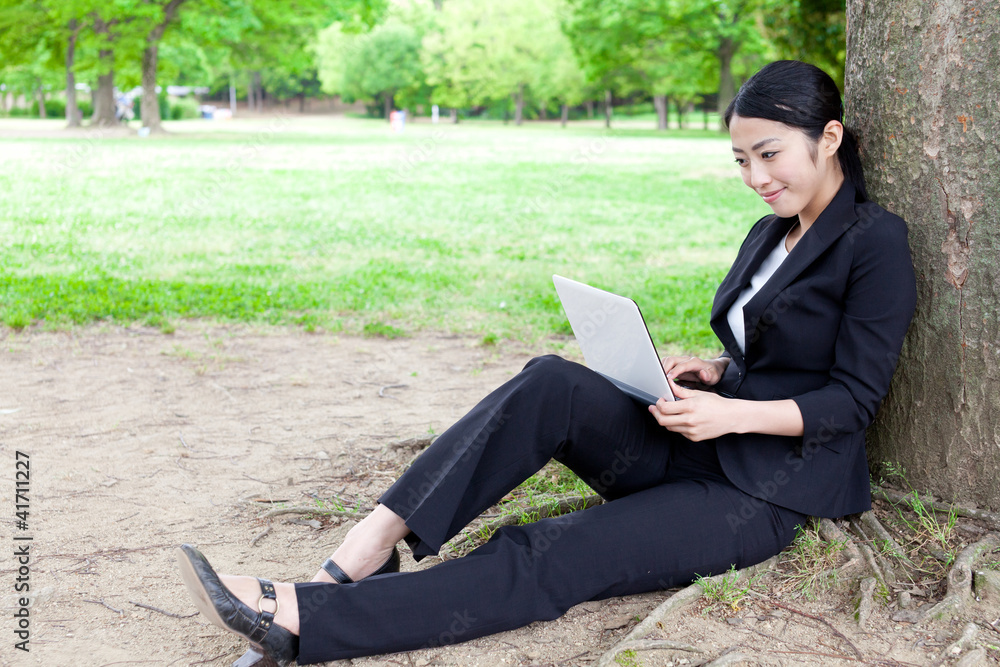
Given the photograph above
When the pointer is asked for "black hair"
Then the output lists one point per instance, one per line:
(802, 96)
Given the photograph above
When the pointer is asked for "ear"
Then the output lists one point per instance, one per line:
(833, 135)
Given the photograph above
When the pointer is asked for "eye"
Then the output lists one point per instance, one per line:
(741, 161)
(768, 154)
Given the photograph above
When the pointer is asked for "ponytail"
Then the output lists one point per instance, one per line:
(850, 164)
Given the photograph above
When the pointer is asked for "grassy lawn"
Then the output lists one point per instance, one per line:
(338, 224)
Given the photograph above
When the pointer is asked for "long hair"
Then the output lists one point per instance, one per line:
(802, 96)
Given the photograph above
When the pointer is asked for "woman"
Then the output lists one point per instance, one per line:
(811, 315)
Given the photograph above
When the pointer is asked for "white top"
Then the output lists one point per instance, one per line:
(764, 273)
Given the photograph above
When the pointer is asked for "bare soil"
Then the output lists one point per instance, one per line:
(139, 441)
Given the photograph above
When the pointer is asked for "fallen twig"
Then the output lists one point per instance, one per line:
(105, 604)
(166, 613)
(259, 536)
(381, 391)
(825, 622)
(361, 513)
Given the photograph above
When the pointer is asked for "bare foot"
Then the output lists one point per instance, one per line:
(368, 545)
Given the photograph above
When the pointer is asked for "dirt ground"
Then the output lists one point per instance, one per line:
(139, 441)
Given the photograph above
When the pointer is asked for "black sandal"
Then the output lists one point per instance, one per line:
(390, 565)
(254, 658)
(273, 645)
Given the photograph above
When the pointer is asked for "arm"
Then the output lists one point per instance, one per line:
(702, 415)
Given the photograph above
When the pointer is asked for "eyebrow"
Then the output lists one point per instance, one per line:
(756, 145)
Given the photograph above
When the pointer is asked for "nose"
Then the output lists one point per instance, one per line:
(759, 176)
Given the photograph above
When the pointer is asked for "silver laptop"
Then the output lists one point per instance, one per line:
(614, 339)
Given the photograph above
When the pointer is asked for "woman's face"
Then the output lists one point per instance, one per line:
(793, 174)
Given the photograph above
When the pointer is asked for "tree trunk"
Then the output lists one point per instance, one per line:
(564, 115)
(543, 113)
(72, 109)
(921, 91)
(704, 111)
(104, 96)
(660, 103)
(258, 90)
(519, 105)
(149, 106)
(251, 96)
(387, 106)
(607, 108)
(453, 112)
(40, 94)
(727, 86)
(589, 105)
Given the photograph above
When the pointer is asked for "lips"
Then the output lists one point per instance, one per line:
(771, 197)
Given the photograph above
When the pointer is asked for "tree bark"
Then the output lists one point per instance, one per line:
(258, 91)
(660, 103)
(149, 105)
(519, 105)
(564, 115)
(589, 105)
(40, 94)
(387, 106)
(921, 91)
(454, 115)
(727, 86)
(72, 109)
(104, 96)
(607, 108)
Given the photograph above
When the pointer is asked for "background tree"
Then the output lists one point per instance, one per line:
(922, 90)
(372, 67)
(809, 30)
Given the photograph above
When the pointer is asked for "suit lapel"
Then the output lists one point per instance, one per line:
(739, 275)
(836, 219)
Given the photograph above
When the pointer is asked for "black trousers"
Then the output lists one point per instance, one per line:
(669, 518)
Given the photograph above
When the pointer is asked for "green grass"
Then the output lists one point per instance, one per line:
(338, 224)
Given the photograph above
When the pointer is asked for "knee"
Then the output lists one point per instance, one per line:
(553, 375)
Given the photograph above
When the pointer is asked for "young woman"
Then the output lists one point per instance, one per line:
(811, 315)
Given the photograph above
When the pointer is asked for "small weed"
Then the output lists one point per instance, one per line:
(728, 591)
(16, 319)
(383, 330)
(628, 658)
(490, 339)
(928, 528)
(811, 562)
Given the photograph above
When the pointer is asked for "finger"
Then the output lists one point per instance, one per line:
(692, 365)
(681, 392)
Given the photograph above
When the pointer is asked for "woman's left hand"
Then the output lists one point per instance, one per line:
(701, 415)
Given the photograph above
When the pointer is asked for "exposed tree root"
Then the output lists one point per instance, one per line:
(672, 604)
(895, 497)
(959, 593)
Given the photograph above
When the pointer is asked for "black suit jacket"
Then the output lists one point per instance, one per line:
(825, 331)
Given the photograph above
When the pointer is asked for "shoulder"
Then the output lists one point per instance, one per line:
(878, 244)
(876, 228)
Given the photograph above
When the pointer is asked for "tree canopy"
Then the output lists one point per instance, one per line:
(528, 56)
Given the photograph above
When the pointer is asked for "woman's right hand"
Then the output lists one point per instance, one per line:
(693, 369)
